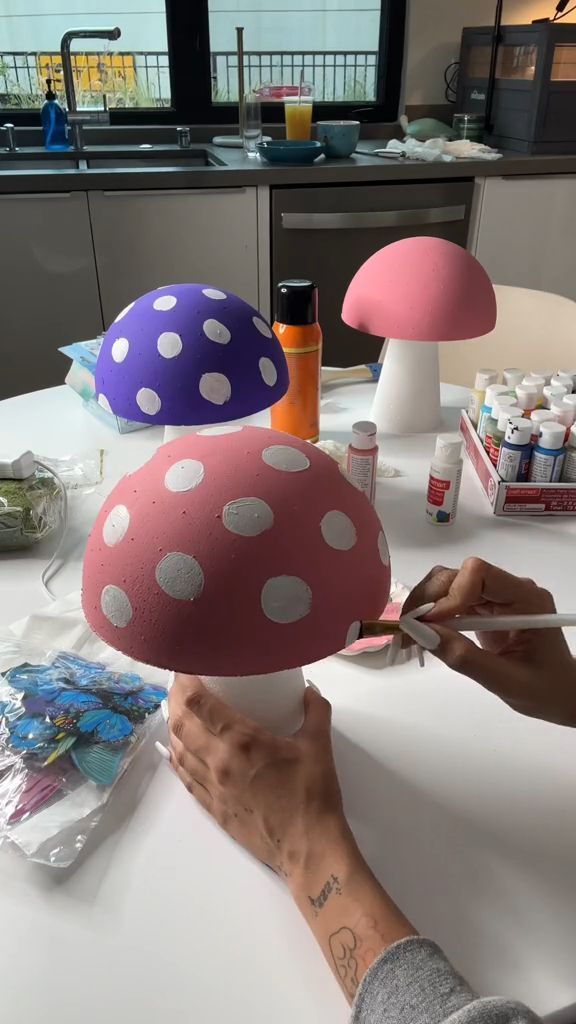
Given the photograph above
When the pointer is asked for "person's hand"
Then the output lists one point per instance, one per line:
(279, 797)
(531, 670)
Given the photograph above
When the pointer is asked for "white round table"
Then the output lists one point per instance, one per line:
(464, 809)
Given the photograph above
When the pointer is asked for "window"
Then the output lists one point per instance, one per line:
(178, 58)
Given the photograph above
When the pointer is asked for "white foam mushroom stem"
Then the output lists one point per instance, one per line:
(407, 399)
(274, 700)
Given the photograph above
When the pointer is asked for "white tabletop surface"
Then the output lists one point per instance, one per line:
(464, 810)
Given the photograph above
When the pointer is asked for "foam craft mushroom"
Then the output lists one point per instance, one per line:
(417, 292)
(236, 552)
(189, 354)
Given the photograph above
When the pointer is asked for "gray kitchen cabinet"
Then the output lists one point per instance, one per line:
(48, 286)
(147, 238)
(524, 231)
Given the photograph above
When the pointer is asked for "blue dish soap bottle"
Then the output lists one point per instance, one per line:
(54, 121)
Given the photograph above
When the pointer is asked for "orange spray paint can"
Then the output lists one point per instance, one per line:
(298, 331)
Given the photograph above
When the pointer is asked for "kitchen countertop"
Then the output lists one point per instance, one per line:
(240, 171)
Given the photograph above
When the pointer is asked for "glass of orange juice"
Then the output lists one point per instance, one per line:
(298, 113)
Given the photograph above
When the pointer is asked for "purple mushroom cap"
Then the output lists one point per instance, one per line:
(189, 354)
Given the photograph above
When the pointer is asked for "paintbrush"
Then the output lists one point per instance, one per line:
(370, 371)
(471, 624)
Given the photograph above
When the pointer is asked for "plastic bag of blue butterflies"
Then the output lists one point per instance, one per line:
(69, 728)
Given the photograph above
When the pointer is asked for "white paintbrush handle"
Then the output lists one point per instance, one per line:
(505, 623)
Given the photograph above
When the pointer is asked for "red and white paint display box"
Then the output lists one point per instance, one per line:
(514, 499)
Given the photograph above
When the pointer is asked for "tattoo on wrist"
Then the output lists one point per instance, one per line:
(342, 949)
(331, 886)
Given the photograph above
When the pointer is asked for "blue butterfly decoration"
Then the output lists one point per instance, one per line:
(78, 708)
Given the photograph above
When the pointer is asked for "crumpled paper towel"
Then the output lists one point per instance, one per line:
(440, 149)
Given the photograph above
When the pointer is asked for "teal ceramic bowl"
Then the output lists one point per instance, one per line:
(290, 151)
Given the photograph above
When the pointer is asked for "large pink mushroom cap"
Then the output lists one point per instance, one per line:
(234, 551)
(421, 289)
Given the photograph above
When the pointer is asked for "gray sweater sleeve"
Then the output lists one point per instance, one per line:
(412, 982)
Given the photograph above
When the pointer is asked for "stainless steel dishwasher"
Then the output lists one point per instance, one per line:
(326, 233)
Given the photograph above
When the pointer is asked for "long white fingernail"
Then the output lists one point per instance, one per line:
(420, 633)
(418, 613)
(421, 659)
(162, 750)
(164, 710)
(394, 650)
(313, 686)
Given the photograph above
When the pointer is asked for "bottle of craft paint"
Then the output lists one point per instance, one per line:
(548, 455)
(547, 374)
(501, 404)
(515, 451)
(445, 479)
(553, 392)
(563, 380)
(299, 333)
(527, 398)
(563, 412)
(484, 378)
(570, 373)
(538, 417)
(512, 376)
(536, 382)
(499, 432)
(569, 468)
(486, 411)
(362, 458)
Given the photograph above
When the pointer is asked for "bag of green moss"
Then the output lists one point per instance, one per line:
(29, 510)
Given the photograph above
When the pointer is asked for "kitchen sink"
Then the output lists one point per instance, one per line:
(164, 158)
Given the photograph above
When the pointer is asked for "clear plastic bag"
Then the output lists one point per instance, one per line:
(29, 510)
(69, 729)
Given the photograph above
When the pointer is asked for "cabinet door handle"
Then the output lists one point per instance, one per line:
(171, 191)
(372, 219)
(37, 195)
(536, 177)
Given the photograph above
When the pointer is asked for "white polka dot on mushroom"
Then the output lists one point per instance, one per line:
(115, 525)
(124, 311)
(213, 293)
(180, 576)
(383, 549)
(104, 403)
(247, 517)
(352, 634)
(286, 599)
(268, 371)
(215, 388)
(215, 331)
(220, 429)
(119, 350)
(285, 458)
(165, 302)
(262, 326)
(338, 530)
(148, 401)
(184, 476)
(115, 605)
(169, 344)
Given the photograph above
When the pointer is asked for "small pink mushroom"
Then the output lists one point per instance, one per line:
(417, 292)
(234, 551)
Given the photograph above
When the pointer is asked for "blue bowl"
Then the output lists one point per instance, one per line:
(290, 151)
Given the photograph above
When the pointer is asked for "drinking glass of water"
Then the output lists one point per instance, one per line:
(252, 129)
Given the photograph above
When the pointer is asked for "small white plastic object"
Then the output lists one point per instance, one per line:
(538, 417)
(553, 392)
(527, 397)
(515, 452)
(512, 376)
(484, 378)
(570, 373)
(569, 468)
(563, 412)
(548, 456)
(362, 458)
(17, 467)
(485, 413)
(571, 401)
(532, 380)
(546, 374)
(564, 379)
(444, 481)
(274, 700)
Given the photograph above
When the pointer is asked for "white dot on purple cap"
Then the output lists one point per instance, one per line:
(215, 331)
(104, 403)
(213, 293)
(169, 344)
(262, 326)
(268, 371)
(124, 311)
(165, 302)
(215, 388)
(119, 349)
(148, 401)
